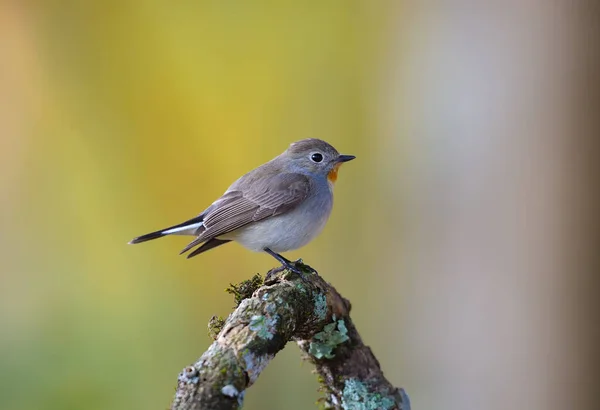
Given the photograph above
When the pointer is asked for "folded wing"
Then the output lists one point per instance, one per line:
(265, 198)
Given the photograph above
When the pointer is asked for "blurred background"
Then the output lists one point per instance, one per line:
(462, 234)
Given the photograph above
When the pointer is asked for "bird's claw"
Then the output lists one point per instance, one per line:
(292, 267)
(307, 267)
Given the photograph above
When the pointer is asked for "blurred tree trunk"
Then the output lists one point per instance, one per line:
(501, 112)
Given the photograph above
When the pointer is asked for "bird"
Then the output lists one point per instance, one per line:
(279, 206)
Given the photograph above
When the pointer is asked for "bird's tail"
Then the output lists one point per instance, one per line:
(189, 227)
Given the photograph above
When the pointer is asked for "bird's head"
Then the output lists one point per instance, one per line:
(316, 157)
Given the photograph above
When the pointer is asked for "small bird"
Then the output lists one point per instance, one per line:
(280, 206)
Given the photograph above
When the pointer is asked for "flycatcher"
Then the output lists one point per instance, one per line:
(280, 206)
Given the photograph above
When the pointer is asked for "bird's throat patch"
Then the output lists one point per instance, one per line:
(333, 174)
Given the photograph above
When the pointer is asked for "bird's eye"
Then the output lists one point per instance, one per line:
(316, 157)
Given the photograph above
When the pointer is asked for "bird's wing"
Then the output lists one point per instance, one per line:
(264, 198)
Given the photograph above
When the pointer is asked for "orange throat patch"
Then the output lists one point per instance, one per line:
(333, 174)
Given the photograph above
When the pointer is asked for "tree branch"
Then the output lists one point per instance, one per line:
(285, 308)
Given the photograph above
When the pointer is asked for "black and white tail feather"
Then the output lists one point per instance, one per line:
(193, 226)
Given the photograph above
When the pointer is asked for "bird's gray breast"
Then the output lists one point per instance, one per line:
(290, 230)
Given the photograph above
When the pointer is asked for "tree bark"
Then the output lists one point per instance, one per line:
(284, 308)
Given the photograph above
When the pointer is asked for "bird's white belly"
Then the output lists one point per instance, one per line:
(283, 232)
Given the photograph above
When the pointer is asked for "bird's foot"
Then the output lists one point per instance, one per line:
(307, 267)
(295, 267)
(291, 266)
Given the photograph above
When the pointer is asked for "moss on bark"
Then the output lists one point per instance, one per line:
(270, 314)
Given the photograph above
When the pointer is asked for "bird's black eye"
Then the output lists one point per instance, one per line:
(316, 157)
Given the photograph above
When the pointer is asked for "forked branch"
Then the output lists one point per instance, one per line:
(284, 308)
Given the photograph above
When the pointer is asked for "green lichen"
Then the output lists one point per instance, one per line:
(326, 341)
(320, 306)
(300, 287)
(215, 325)
(356, 396)
(245, 289)
(270, 308)
(264, 326)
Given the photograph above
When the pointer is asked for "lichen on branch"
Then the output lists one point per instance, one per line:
(268, 315)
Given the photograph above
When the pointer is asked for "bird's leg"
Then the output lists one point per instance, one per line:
(286, 263)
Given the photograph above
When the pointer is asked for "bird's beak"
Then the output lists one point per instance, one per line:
(344, 158)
